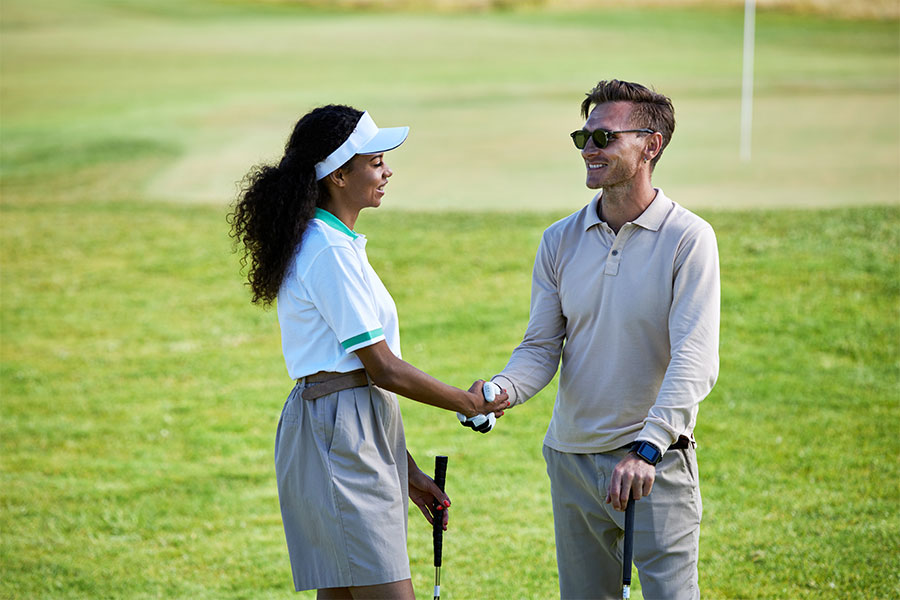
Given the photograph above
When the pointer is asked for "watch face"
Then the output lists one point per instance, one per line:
(648, 452)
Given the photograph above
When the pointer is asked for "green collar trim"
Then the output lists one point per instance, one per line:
(333, 222)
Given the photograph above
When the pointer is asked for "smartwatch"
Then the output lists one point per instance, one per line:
(647, 452)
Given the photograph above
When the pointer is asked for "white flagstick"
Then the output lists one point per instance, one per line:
(747, 86)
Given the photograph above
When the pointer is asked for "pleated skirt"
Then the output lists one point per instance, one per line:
(341, 466)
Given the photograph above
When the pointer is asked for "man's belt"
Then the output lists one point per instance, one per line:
(682, 443)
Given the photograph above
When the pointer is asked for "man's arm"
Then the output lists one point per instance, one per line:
(535, 361)
(694, 341)
(693, 366)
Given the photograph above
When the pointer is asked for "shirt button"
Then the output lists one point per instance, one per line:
(615, 252)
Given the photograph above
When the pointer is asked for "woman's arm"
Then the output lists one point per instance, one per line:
(398, 376)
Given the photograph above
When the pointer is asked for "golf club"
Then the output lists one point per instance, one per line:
(440, 477)
(629, 547)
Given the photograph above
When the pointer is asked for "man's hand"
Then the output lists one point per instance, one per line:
(479, 423)
(632, 474)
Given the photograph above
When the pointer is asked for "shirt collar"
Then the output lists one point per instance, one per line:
(592, 217)
(652, 217)
(333, 222)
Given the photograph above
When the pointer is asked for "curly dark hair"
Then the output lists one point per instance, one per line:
(650, 109)
(276, 202)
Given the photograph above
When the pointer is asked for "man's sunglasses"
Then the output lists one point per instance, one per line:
(601, 137)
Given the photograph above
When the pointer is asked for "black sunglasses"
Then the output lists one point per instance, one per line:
(601, 137)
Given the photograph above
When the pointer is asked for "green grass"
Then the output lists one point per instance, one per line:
(139, 390)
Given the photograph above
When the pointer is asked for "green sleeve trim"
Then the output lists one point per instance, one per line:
(363, 337)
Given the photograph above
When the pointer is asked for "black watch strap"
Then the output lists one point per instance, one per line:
(647, 452)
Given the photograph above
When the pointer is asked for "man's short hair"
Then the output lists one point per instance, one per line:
(649, 109)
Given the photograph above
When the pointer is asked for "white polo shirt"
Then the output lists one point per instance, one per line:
(332, 303)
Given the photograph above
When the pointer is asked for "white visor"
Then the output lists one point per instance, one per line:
(365, 139)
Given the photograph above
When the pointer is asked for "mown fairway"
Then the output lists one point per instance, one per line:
(139, 390)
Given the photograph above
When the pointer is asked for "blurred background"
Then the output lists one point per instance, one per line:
(490, 90)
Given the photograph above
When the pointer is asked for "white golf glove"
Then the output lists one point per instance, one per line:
(482, 423)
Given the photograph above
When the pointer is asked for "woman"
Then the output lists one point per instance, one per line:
(340, 453)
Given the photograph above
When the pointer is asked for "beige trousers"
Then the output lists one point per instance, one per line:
(590, 534)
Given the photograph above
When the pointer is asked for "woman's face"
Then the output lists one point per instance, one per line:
(366, 178)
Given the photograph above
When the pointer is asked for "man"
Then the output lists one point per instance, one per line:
(626, 292)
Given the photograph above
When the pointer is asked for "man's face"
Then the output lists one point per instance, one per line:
(620, 161)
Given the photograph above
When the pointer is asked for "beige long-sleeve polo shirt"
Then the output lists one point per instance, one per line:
(635, 319)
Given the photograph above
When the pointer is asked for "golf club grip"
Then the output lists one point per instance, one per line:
(440, 478)
(629, 542)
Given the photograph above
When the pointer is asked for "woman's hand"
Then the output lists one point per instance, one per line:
(389, 372)
(423, 491)
(477, 405)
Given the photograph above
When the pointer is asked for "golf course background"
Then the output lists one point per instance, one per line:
(139, 389)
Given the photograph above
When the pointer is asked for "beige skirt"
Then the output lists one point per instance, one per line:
(343, 488)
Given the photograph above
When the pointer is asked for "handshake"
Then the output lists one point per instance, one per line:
(482, 423)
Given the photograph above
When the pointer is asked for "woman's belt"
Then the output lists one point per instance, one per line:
(326, 382)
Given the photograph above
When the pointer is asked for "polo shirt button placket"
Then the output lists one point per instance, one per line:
(612, 262)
